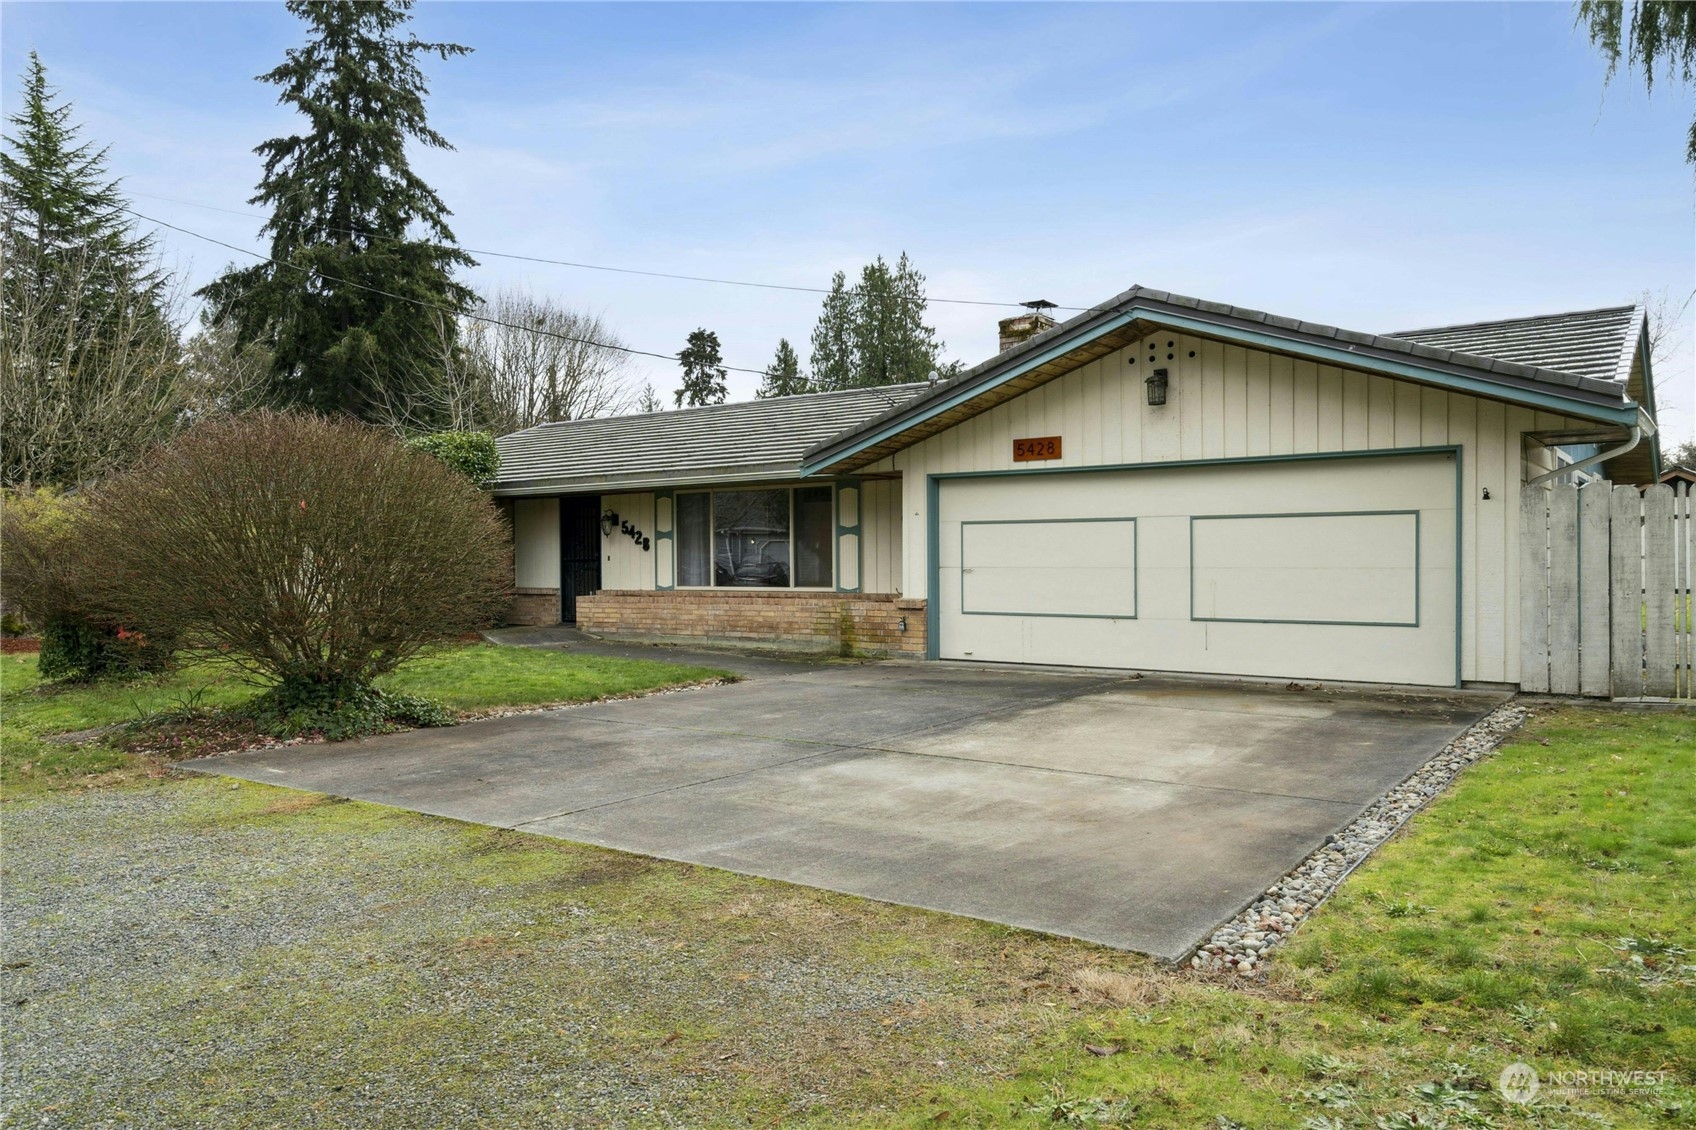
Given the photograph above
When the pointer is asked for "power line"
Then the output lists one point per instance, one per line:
(602, 267)
(428, 305)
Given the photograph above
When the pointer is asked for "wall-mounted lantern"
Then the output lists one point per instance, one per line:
(609, 522)
(1156, 388)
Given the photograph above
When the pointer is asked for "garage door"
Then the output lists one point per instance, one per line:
(1326, 569)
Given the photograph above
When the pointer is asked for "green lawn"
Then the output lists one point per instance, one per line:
(472, 678)
(1539, 912)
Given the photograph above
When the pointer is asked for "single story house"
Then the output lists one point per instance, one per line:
(1160, 483)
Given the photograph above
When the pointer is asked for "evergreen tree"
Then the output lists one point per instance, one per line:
(350, 219)
(703, 371)
(783, 376)
(833, 346)
(90, 354)
(649, 401)
(63, 218)
(875, 333)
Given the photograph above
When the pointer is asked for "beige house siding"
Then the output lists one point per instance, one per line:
(535, 543)
(624, 563)
(1227, 402)
(880, 525)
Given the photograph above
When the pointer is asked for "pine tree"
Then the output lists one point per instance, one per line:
(875, 333)
(703, 371)
(347, 211)
(783, 376)
(833, 346)
(649, 400)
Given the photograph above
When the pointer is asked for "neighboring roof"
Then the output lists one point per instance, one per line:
(1586, 343)
(1678, 474)
(1129, 316)
(751, 439)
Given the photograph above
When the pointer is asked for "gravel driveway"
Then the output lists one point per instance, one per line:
(200, 953)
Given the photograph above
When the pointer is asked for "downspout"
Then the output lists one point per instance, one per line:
(1591, 461)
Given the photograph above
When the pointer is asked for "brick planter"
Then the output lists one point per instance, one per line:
(867, 623)
(531, 607)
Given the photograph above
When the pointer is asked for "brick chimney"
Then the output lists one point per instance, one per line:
(1022, 327)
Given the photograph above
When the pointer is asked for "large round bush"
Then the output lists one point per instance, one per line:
(315, 554)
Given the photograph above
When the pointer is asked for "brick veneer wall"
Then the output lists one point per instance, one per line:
(814, 621)
(534, 606)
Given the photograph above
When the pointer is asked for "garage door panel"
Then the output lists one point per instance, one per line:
(1307, 568)
(1329, 569)
(1009, 568)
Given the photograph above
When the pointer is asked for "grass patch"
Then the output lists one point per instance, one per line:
(179, 711)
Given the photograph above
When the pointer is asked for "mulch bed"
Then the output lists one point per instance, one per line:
(11, 645)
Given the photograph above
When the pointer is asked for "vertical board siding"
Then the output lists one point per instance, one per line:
(1231, 402)
(624, 564)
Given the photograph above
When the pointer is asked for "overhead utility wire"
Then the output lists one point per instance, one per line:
(428, 305)
(601, 267)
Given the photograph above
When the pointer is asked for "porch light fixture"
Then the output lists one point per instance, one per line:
(1156, 388)
(609, 522)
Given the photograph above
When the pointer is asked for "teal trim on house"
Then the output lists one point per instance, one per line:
(1417, 586)
(1135, 576)
(858, 532)
(1548, 400)
(665, 535)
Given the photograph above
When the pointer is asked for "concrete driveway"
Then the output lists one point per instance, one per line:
(1139, 813)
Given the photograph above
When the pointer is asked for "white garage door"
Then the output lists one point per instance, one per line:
(1324, 569)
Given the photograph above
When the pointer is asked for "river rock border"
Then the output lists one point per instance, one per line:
(1242, 944)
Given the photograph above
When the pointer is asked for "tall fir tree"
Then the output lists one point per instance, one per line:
(875, 333)
(703, 371)
(63, 215)
(783, 376)
(649, 401)
(361, 313)
(832, 358)
(90, 353)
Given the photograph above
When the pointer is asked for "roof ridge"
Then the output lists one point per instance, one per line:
(696, 408)
(1630, 306)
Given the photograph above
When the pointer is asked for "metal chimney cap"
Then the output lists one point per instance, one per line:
(1040, 304)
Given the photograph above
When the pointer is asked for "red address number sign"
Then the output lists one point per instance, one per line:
(1029, 450)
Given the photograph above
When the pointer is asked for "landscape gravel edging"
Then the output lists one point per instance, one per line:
(1241, 945)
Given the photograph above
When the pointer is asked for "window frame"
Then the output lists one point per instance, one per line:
(788, 490)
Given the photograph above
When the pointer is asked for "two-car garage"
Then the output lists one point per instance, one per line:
(1322, 568)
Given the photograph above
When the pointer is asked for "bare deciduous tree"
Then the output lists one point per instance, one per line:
(531, 362)
(90, 376)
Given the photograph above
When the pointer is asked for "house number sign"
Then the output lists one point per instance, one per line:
(1030, 450)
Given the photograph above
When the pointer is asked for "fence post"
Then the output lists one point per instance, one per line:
(1593, 589)
(1625, 564)
(1534, 590)
(1563, 589)
(1659, 581)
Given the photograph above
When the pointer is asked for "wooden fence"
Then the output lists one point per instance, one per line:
(1605, 591)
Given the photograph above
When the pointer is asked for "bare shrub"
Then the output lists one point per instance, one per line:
(310, 553)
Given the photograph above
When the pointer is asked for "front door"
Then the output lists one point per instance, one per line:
(580, 551)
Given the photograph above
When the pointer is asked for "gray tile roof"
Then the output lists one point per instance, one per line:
(751, 439)
(838, 452)
(1586, 343)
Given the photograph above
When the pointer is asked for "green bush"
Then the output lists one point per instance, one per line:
(52, 578)
(340, 711)
(472, 454)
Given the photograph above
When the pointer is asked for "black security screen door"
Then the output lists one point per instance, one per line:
(579, 551)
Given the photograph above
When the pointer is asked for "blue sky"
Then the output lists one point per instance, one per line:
(1379, 167)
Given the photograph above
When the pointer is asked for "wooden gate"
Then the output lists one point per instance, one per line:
(1605, 591)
